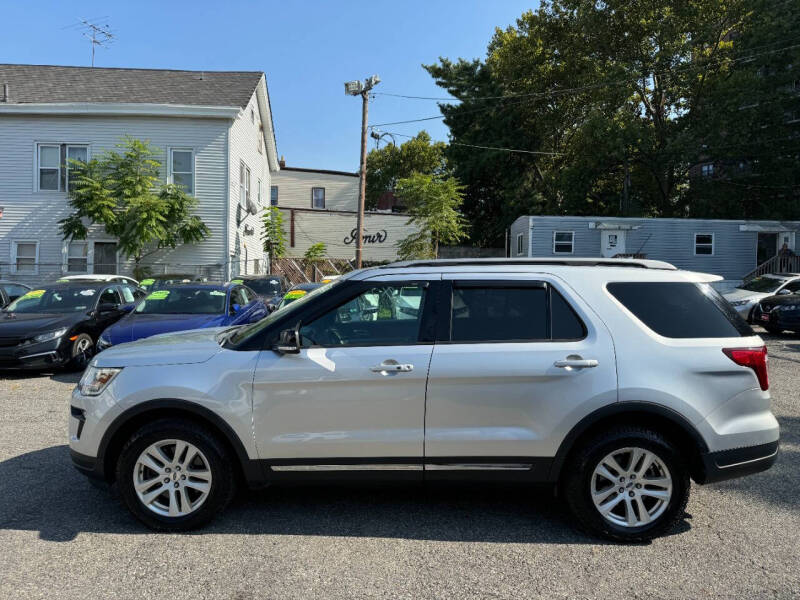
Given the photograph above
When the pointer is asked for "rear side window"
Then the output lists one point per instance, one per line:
(680, 309)
(485, 313)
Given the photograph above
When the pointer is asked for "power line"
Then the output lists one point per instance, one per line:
(564, 91)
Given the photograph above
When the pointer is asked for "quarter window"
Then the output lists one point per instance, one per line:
(563, 242)
(381, 315)
(704, 243)
(182, 169)
(77, 257)
(317, 197)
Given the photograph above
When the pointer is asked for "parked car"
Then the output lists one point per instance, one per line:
(270, 288)
(57, 325)
(10, 291)
(186, 306)
(157, 282)
(779, 313)
(746, 296)
(100, 277)
(614, 381)
(296, 292)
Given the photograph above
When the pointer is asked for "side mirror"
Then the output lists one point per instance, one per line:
(784, 292)
(237, 308)
(126, 308)
(107, 307)
(289, 341)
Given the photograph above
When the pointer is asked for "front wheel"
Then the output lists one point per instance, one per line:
(174, 475)
(628, 484)
(81, 351)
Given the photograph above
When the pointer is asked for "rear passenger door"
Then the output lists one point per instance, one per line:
(519, 361)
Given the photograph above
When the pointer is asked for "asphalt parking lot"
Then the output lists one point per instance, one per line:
(60, 537)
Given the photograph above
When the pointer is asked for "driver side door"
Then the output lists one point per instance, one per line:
(353, 399)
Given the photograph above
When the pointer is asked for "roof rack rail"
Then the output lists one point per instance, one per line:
(567, 262)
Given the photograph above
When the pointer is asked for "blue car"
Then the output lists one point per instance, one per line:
(185, 306)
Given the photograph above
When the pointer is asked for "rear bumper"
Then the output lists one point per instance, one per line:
(738, 462)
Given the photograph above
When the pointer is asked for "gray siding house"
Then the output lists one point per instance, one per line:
(729, 248)
(213, 131)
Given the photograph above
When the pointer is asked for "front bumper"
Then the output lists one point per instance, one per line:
(777, 318)
(737, 462)
(43, 355)
(88, 465)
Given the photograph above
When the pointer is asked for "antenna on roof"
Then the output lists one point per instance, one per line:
(98, 35)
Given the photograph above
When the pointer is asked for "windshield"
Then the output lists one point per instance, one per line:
(264, 287)
(159, 284)
(183, 300)
(244, 333)
(60, 300)
(763, 284)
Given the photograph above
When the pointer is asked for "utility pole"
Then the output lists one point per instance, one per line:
(357, 88)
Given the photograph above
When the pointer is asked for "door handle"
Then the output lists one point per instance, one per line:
(392, 366)
(574, 361)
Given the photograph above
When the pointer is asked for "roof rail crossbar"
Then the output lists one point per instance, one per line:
(568, 262)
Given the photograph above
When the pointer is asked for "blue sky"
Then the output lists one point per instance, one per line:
(307, 49)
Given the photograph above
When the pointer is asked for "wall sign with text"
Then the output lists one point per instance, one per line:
(369, 238)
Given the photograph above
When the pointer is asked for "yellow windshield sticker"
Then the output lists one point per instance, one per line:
(34, 294)
(145, 282)
(296, 294)
(62, 281)
(237, 281)
(159, 295)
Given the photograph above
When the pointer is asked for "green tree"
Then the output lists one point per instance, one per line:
(615, 104)
(122, 192)
(433, 205)
(274, 236)
(316, 252)
(387, 165)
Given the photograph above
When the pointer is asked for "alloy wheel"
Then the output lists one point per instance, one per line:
(631, 487)
(172, 478)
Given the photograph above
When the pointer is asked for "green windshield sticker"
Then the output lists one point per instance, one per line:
(34, 294)
(159, 295)
(237, 281)
(296, 294)
(62, 281)
(147, 282)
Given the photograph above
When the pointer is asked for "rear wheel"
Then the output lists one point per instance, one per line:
(174, 475)
(627, 484)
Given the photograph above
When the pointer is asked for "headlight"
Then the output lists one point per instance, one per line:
(95, 380)
(740, 302)
(103, 342)
(50, 335)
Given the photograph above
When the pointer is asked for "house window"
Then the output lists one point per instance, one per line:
(707, 170)
(519, 244)
(181, 163)
(273, 195)
(563, 242)
(317, 197)
(703, 244)
(54, 165)
(25, 256)
(244, 184)
(77, 257)
(77, 153)
(258, 191)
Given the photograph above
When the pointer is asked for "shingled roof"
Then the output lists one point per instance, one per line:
(51, 84)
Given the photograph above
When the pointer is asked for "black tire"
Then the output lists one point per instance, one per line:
(577, 481)
(80, 353)
(223, 483)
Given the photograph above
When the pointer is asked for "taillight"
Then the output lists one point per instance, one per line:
(754, 358)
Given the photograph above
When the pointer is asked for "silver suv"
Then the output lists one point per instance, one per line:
(615, 381)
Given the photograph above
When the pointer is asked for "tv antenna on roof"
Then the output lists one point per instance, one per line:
(98, 35)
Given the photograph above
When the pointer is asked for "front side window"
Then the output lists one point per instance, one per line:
(110, 296)
(25, 256)
(381, 315)
(182, 169)
(680, 309)
(77, 257)
(273, 195)
(317, 197)
(563, 242)
(704, 243)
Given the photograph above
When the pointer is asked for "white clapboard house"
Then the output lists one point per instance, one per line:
(214, 134)
(321, 206)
